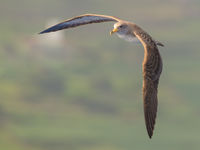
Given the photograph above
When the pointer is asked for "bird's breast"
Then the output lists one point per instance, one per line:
(129, 38)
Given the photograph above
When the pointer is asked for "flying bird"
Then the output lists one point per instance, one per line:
(152, 63)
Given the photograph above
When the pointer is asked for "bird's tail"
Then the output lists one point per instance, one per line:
(159, 43)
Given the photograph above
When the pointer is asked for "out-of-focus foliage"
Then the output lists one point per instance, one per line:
(81, 89)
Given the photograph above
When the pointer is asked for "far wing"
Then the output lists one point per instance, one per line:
(80, 20)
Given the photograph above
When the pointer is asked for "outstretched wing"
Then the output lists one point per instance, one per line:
(80, 20)
(152, 68)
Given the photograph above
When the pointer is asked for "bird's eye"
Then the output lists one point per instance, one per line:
(121, 26)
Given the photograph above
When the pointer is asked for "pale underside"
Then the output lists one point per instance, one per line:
(129, 38)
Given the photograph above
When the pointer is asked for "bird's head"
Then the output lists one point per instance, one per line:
(125, 30)
(120, 28)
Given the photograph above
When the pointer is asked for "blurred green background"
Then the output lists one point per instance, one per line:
(80, 89)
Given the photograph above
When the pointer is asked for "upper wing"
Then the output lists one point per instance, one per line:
(152, 68)
(80, 20)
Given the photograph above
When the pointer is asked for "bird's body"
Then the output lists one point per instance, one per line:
(152, 63)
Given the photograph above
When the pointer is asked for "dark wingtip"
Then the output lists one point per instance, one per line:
(46, 31)
(52, 29)
(41, 32)
(150, 135)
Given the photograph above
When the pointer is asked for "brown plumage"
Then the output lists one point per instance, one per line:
(152, 64)
(152, 68)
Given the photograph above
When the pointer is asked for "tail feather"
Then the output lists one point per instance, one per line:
(159, 43)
